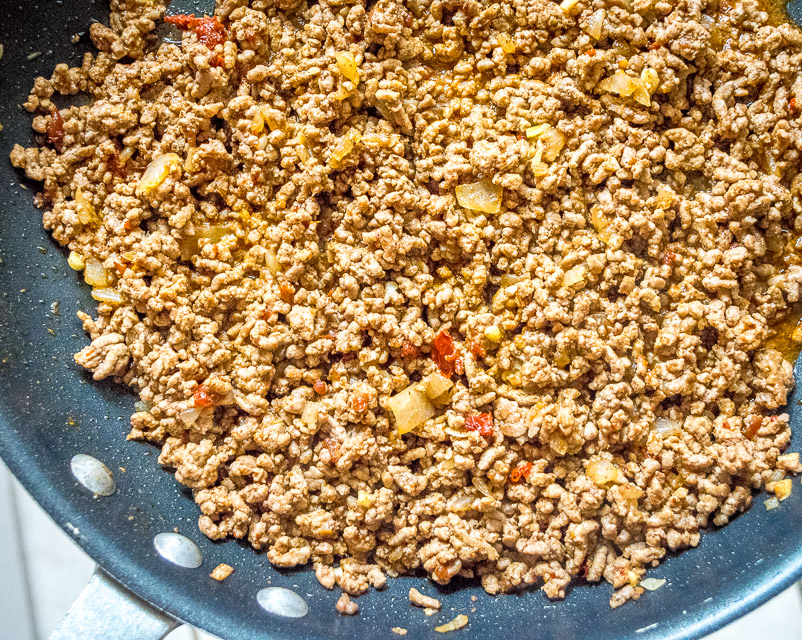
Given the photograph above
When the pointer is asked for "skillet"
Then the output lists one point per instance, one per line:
(50, 411)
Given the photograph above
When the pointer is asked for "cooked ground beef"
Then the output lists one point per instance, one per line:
(481, 288)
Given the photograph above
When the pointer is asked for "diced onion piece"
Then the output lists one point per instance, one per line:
(493, 333)
(310, 414)
(343, 147)
(364, 499)
(538, 158)
(652, 584)
(791, 459)
(568, 5)
(390, 287)
(95, 273)
(410, 408)
(84, 208)
(271, 260)
(435, 385)
(595, 24)
(76, 261)
(772, 503)
(640, 94)
(157, 172)
(771, 164)
(457, 623)
(214, 233)
(346, 65)
(781, 489)
(575, 275)
(140, 406)
(109, 296)
(603, 472)
(650, 79)
(534, 132)
(455, 433)
(481, 196)
(482, 487)
(601, 223)
(509, 279)
(666, 427)
(620, 82)
(506, 43)
(189, 416)
(553, 142)
(459, 503)
(257, 125)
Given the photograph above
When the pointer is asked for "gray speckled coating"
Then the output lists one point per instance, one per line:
(50, 411)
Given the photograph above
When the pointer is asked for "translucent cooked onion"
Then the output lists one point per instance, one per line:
(140, 406)
(310, 414)
(650, 79)
(652, 584)
(157, 172)
(214, 233)
(481, 196)
(76, 261)
(595, 24)
(95, 273)
(189, 416)
(457, 623)
(459, 503)
(782, 489)
(482, 486)
(435, 385)
(343, 147)
(346, 65)
(666, 427)
(620, 82)
(410, 408)
(534, 132)
(109, 296)
(85, 210)
(772, 503)
(455, 433)
(271, 260)
(553, 142)
(575, 275)
(390, 288)
(603, 472)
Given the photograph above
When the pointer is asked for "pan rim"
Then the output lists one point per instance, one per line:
(94, 543)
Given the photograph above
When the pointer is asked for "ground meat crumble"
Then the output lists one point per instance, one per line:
(584, 213)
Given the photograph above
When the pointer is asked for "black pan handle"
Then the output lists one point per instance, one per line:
(105, 610)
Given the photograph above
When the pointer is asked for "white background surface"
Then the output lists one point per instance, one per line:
(42, 572)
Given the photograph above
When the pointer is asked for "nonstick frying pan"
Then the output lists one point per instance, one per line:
(50, 411)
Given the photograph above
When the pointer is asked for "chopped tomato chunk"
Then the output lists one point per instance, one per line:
(360, 402)
(209, 30)
(481, 422)
(202, 396)
(521, 471)
(445, 355)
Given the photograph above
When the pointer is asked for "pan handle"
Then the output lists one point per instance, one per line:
(107, 611)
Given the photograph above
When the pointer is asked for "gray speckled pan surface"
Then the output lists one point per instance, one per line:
(50, 411)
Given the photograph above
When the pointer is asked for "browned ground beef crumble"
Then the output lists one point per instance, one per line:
(283, 269)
